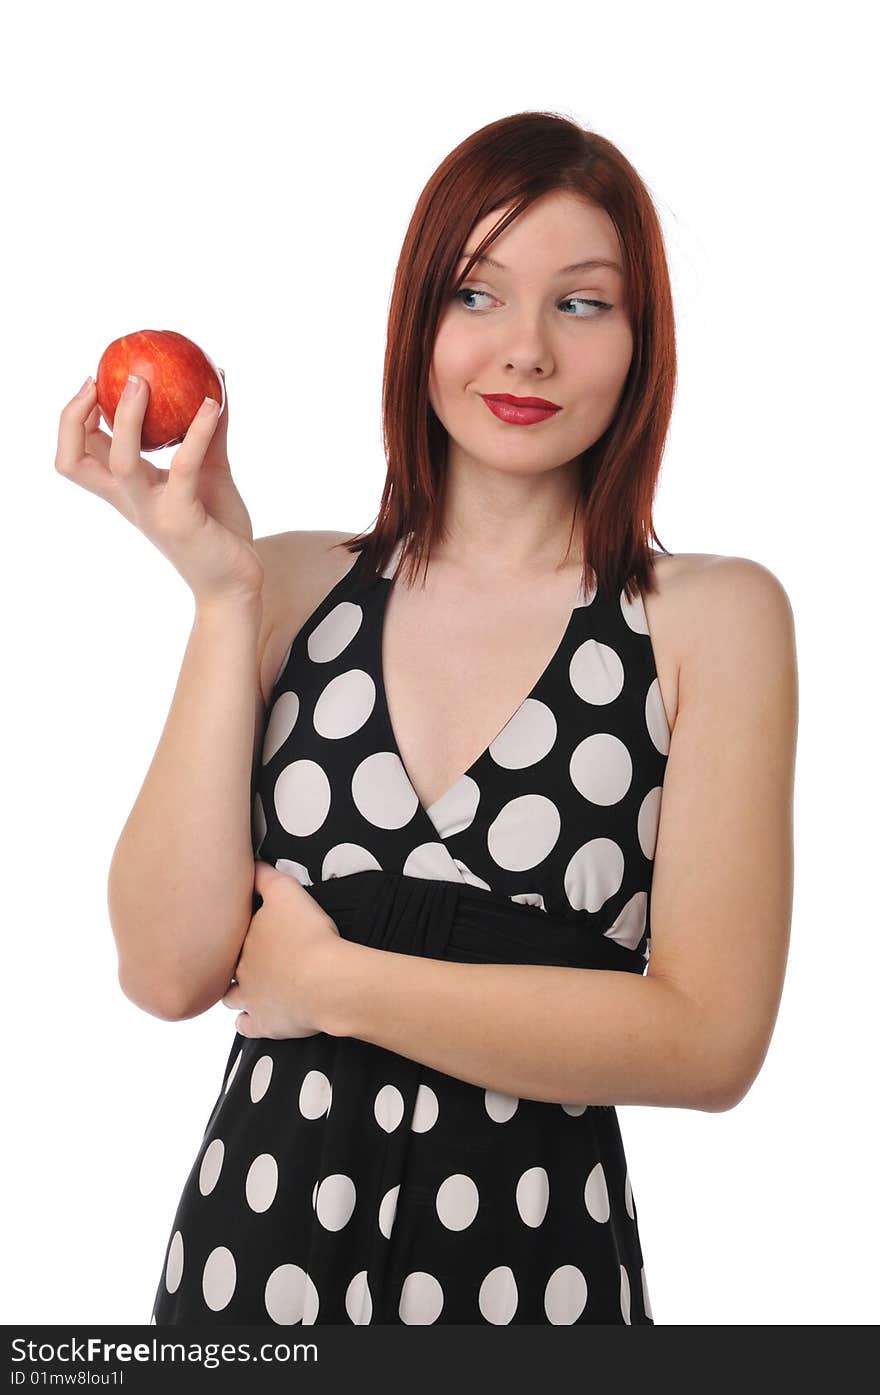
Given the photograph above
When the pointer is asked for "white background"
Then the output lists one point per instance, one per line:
(245, 174)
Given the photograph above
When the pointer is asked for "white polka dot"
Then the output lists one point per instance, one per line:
(421, 1298)
(335, 632)
(294, 869)
(524, 832)
(345, 704)
(425, 1110)
(283, 665)
(261, 1184)
(388, 1108)
(633, 612)
(594, 873)
(284, 1295)
(334, 1201)
(645, 1299)
(655, 718)
(346, 858)
(575, 1110)
(231, 1074)
(282, 720)
(260, 828)
(500, 1107)
(588, 592)
(302, 797)
(388, 1210)
(310, 1304)
(218, 1278)
(260, 1077)
(565, 1296)
(174, 1263)
(454, 811)
(499, 1297)
(596, 1194)
(628, 1198)
(601, 768)
(458, 1201)
(530, 898)
(595, 672)
(432, 862)
(624, 1295)
(533, 1195)
(526, 738)
(393, 560)
(358, 1300)
(382, 792)
(649, 820)
(629, 927)
(212, 1162)
(314, 1095)
(468, 876)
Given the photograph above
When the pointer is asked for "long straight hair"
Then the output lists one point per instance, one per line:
(515, 161)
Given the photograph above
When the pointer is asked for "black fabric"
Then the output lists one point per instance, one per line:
(338, 1182)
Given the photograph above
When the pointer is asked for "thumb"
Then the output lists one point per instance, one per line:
(217, 452)
(264, 874)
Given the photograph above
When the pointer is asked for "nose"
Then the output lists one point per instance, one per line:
(527, 347)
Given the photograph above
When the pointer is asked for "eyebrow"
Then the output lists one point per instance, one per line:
(588, 265)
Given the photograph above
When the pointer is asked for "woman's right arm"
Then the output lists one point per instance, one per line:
(181, 881)
(180, 887)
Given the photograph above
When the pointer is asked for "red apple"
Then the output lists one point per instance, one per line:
(179, 375)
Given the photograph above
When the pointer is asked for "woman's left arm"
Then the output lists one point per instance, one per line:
(694, 1030)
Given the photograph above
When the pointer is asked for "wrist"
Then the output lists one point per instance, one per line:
(335, 993)
(230, 610)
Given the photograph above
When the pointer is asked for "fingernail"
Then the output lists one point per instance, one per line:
(88, 380)
(131, 386)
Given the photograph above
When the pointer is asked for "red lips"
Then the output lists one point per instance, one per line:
(523, 401)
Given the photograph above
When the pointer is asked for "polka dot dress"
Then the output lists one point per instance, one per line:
(338, 1182)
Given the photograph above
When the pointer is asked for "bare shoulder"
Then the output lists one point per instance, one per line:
(733, 590)
(699, 596)
(301, 566)
(734, 608)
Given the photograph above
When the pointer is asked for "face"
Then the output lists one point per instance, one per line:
(529, 329)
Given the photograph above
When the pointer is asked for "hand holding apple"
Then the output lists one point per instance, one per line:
(192, 512)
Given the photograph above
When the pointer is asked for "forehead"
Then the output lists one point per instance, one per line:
(557, 229)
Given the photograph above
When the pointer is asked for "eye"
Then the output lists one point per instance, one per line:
(600, 306)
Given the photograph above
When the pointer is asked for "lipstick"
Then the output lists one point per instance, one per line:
(520, 411)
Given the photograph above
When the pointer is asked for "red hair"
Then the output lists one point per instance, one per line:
(515, 161)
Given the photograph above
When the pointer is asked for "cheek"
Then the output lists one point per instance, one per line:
(456, 356)
(606, 360)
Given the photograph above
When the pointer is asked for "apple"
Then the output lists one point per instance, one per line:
(179, 375)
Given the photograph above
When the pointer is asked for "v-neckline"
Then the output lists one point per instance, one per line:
(387, 582)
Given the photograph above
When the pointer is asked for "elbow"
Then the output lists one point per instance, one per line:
(157, 1001)
(717, 1063)
(723, 1088)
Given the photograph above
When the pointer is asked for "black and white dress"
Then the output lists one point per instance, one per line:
(339, 1182)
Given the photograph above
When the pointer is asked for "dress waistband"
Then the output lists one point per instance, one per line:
(439, 919)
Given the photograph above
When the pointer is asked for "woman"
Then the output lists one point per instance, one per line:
(463, 870)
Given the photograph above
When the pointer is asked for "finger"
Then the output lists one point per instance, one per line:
(124, 458)
(98, 444)
(76, 454)
(217, 454)
(72, 430)
(187, 461)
